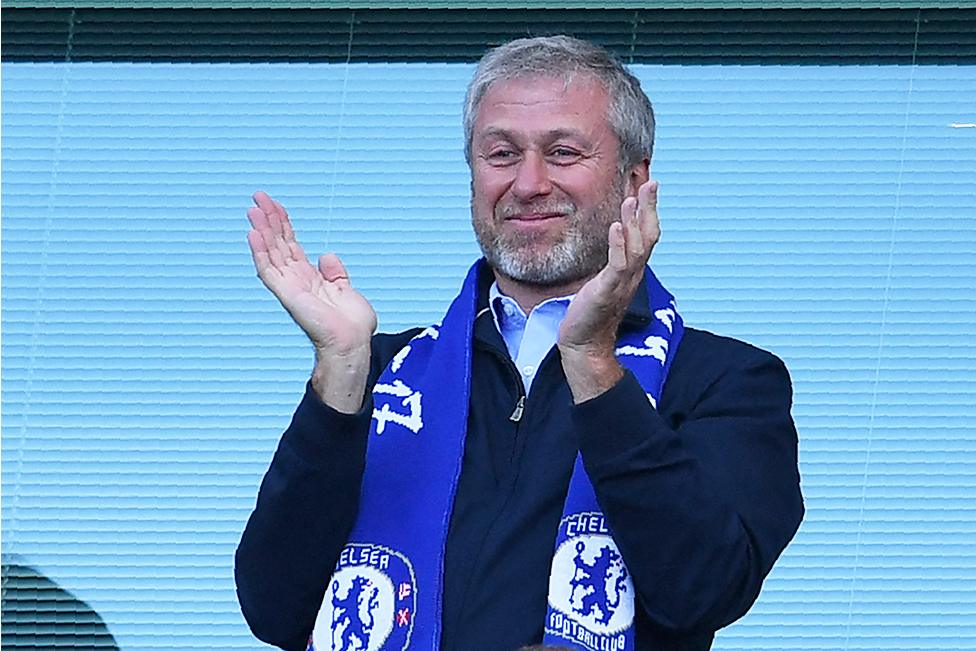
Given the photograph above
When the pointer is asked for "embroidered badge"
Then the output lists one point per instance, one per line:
(369, 604)
(591, 593)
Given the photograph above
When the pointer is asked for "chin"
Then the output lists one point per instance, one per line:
(540, 273)
(544, 261)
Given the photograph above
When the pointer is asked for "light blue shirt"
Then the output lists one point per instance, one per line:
(528, 338)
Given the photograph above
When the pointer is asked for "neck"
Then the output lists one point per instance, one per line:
(528, 295)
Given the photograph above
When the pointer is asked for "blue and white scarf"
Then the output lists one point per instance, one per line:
(386, 590)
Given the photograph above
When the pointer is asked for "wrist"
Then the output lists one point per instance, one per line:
(339, 379)
(590, 372)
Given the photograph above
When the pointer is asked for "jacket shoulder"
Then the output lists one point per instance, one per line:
(388, 344)
(385, 345)
(703, 349)
(705, 360)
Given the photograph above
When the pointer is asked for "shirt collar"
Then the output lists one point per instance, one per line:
(638, 312)
(507, 313)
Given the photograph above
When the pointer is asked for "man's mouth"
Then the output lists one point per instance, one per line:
(535, 216)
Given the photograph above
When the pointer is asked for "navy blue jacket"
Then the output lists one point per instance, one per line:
(701, 495)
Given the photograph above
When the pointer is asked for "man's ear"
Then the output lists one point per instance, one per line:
(638, 176)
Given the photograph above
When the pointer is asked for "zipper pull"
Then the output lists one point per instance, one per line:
(519, 408)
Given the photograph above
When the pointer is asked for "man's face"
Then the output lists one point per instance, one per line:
(545, 185)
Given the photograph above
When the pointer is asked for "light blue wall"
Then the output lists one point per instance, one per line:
(826, 213)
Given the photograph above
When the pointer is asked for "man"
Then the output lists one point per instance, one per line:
(559, 460)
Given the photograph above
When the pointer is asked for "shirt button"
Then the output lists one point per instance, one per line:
(509, 310)
(528, 370)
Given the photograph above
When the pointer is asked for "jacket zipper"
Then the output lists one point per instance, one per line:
(516, 416)
(519, 408)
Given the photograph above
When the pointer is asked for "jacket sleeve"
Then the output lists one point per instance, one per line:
(305, 509)
(701, 502)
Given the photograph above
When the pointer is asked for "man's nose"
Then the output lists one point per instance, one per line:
(531, 177)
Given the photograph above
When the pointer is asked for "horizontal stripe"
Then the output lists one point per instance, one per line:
(676, 36)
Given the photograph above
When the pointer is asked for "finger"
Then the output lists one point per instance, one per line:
(281, 224)
(650, 224)
(616, 253)
(256, 241)
(265, 216)
(278, 255)
(274, 219)
(280, 209)
(261, 238)
(258, 218)
(288, 233)
(274, 211)
(285, 220)
(279, 235)
(332, 269)
(633, 238)
(259, 253)
(263, 201)
(284, 235)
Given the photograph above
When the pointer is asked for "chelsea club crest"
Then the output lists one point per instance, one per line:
(591, 593)
(369, 604)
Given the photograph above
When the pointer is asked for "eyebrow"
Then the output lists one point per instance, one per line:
(552, 134)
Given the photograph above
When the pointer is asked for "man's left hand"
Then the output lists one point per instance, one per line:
(588, 334)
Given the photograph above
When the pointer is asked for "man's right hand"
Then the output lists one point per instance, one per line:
(337, 319)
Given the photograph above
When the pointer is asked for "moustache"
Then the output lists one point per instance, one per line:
(508, 211)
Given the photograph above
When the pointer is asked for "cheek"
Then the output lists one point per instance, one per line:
(483, 204)
(488, 184)
(579, 182)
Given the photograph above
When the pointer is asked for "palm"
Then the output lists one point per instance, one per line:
(321, 300)
(599, 305)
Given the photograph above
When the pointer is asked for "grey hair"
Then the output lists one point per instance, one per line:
(630, 114)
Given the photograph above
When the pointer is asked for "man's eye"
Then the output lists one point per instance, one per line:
(564, 154)
(501, 156)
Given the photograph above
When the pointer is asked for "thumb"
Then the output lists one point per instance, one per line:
(332, 269)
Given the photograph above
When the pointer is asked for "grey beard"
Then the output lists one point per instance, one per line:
(573, 258)
(579, 255)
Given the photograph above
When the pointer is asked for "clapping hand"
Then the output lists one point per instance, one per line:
(588, 334)
(338, 320)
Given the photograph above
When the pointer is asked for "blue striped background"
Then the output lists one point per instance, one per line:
(826, 213)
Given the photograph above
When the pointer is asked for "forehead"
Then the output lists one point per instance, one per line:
(579, 102)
